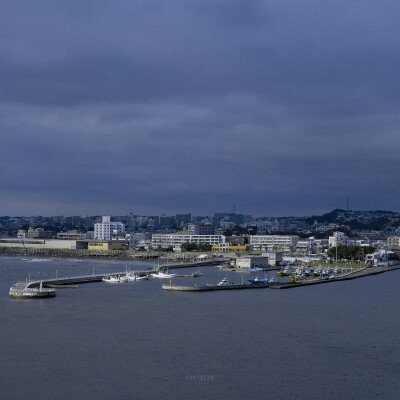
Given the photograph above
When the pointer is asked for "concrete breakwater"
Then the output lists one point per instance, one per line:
(46, 287)
(206, 288)
(351, 275)
(287, 285)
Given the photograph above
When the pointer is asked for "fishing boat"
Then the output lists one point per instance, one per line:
(285, 272)
(162, 275)
(298, 277)
(257, 281)
(273, 281)
(223, 282)
(141, 278)
(112, 279)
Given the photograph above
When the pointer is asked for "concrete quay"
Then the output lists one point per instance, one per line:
(22, 291)
(368, 271)
(287, 285)
(207, 288)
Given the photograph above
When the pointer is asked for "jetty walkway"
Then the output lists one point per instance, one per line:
(359, 273)
(286, 285)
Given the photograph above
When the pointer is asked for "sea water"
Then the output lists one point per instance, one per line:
(338, 340)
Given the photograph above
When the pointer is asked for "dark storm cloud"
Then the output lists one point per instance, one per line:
(277, 107)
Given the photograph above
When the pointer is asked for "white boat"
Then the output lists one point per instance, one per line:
(129, 277)
(162, 274)
(274, 280)
(113, 279)
(223, 282)
(133, 277)
(141, 278)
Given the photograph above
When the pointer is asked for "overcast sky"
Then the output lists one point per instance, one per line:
(276, 107)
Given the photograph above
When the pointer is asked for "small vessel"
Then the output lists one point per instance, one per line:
(113, 279)
(131, 277)
(162, 275)
(298, 277)
(223, 282)
(274, 280)
(195, 274)
(257, 281)
(141, 278)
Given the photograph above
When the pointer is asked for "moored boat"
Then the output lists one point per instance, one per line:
(131, 277)
(113, 279)
(223, 282)
(162, 275)
(257, 281)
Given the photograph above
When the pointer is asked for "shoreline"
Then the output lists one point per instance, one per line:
(105, 254)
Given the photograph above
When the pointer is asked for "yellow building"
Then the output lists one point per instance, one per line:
(104, 245)
(230, 247)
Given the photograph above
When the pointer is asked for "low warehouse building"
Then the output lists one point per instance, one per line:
(252, 262)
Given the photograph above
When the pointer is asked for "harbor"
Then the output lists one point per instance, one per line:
(362, 272)
(42, 288)
(46, 287)
(113, 324)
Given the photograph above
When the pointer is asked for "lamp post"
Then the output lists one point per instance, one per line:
(336, 252)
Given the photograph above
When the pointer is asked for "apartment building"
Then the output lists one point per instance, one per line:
(177, 239)
(393, 242)
(105, 229)
(274, 242)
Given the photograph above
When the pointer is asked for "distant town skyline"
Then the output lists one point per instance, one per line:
(196, 215)
(275, 108)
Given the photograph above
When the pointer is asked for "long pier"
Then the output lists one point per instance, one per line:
(286, 285)
(351, 275)
(206, 288)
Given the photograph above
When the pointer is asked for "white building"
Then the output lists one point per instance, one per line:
(303, 246)
(176, 239)
(105, 229)
(393, 242)
(274, 257)
(339, 239)
(274, 242)
(252, 262)
(381, 258)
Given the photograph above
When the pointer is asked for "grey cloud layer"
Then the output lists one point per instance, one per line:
(276, 107)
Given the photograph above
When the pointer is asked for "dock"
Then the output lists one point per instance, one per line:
(285, 285)
(359, 273)
(207, 288)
